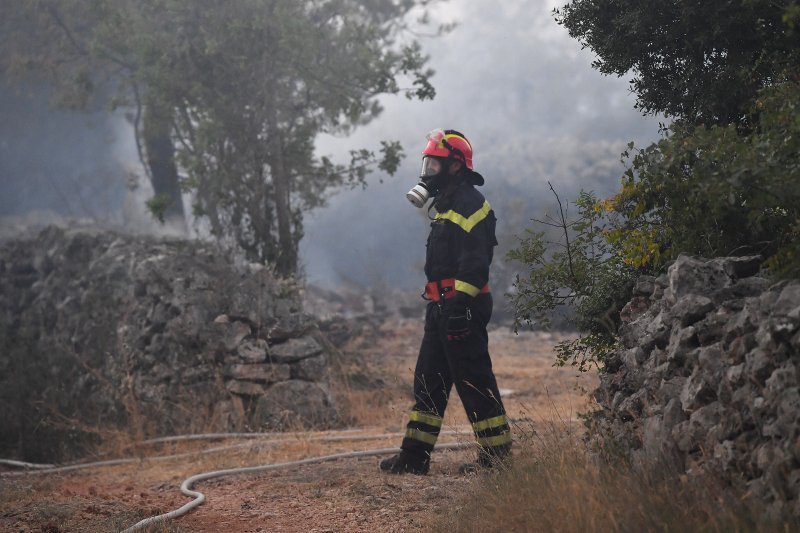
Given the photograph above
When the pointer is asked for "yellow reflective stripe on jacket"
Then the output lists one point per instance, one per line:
(418, 434)
(431, 420)
(468, 288)
(499, 440)
(466, 223)
(493, 422)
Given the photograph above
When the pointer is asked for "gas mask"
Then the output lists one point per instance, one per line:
(431, 178)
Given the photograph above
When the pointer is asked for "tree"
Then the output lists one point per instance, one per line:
(245, 87)
(722, 181)
(698, 61)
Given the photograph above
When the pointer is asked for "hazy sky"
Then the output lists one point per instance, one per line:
(523, 92)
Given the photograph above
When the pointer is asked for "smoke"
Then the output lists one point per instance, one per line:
(508, 76)
(535, 111)
(62, 167)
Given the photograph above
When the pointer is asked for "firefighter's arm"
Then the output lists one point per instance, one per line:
(474, 258)
(475, 252)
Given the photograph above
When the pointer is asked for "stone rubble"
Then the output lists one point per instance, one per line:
(106, 330)
(706, 379)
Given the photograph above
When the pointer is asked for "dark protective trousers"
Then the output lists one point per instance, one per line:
(466, 364)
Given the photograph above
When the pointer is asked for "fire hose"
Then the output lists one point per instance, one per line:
(199, 497)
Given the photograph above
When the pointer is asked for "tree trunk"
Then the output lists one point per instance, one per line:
(160, 157)
(286, 262)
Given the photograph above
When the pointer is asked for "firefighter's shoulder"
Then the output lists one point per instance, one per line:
(468, 200)
(469, 208)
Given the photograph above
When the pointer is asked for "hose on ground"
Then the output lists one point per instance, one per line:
(36, 468)
(23, 464)
(199, 497)
(212, 436)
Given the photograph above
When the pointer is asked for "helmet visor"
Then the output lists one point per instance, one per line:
(431, 166)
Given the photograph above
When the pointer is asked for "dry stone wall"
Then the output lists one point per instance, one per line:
(102, 330)
(706, 378)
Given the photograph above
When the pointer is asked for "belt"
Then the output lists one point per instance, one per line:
(444, 288)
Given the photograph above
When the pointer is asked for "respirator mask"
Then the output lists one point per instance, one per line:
(430, 180)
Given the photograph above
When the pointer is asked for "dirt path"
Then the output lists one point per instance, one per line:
(346, 495)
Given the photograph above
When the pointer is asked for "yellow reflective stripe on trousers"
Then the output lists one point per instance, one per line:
(493, 422)
(418, 434)
(465, 287)
(499, 440)
(467, 223)
(431, 420)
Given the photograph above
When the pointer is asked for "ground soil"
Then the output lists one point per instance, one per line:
(372, 383)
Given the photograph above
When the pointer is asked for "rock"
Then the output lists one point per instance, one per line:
(670, 389)
(696, 392)
(711, 329)
(707, 368)
(644, 286)
(782, 378)
(742, 267)
(244, 388)
(681, 340)
(310, 368)
(175, 330)
(295, 349)
(688, 275)
(759, 364)
(788, 303)
(253, 351)
(673, 414)
(236, 333)
(293, 404)
(634, 309)
(269, 372)
(294, 325)
(691, 308)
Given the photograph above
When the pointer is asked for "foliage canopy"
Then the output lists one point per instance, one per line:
(723, 180)
(241, 88)
(698, 61)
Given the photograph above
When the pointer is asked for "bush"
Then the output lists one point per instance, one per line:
(716, 190)
(705, 191)
(582, 271)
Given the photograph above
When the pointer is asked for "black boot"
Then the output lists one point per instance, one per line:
(497, 458)
(406, 462)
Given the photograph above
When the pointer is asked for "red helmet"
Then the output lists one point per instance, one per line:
(449, 143)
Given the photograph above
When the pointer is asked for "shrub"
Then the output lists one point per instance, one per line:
(706, 191)
(583, 271)
(716, 190)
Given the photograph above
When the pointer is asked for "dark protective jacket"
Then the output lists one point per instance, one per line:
(460, 247)
(462, 239)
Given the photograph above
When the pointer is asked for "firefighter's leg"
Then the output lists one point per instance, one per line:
(471, 370)
(432, 384)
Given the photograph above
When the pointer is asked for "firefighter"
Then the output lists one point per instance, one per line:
(454, 348)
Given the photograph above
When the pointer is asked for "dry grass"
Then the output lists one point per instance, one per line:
(372, 383)
(556, 485)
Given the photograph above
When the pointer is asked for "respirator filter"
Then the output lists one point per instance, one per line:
(418, 194)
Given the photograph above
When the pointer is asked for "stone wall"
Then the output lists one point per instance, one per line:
(100, 330)
(707, 378)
